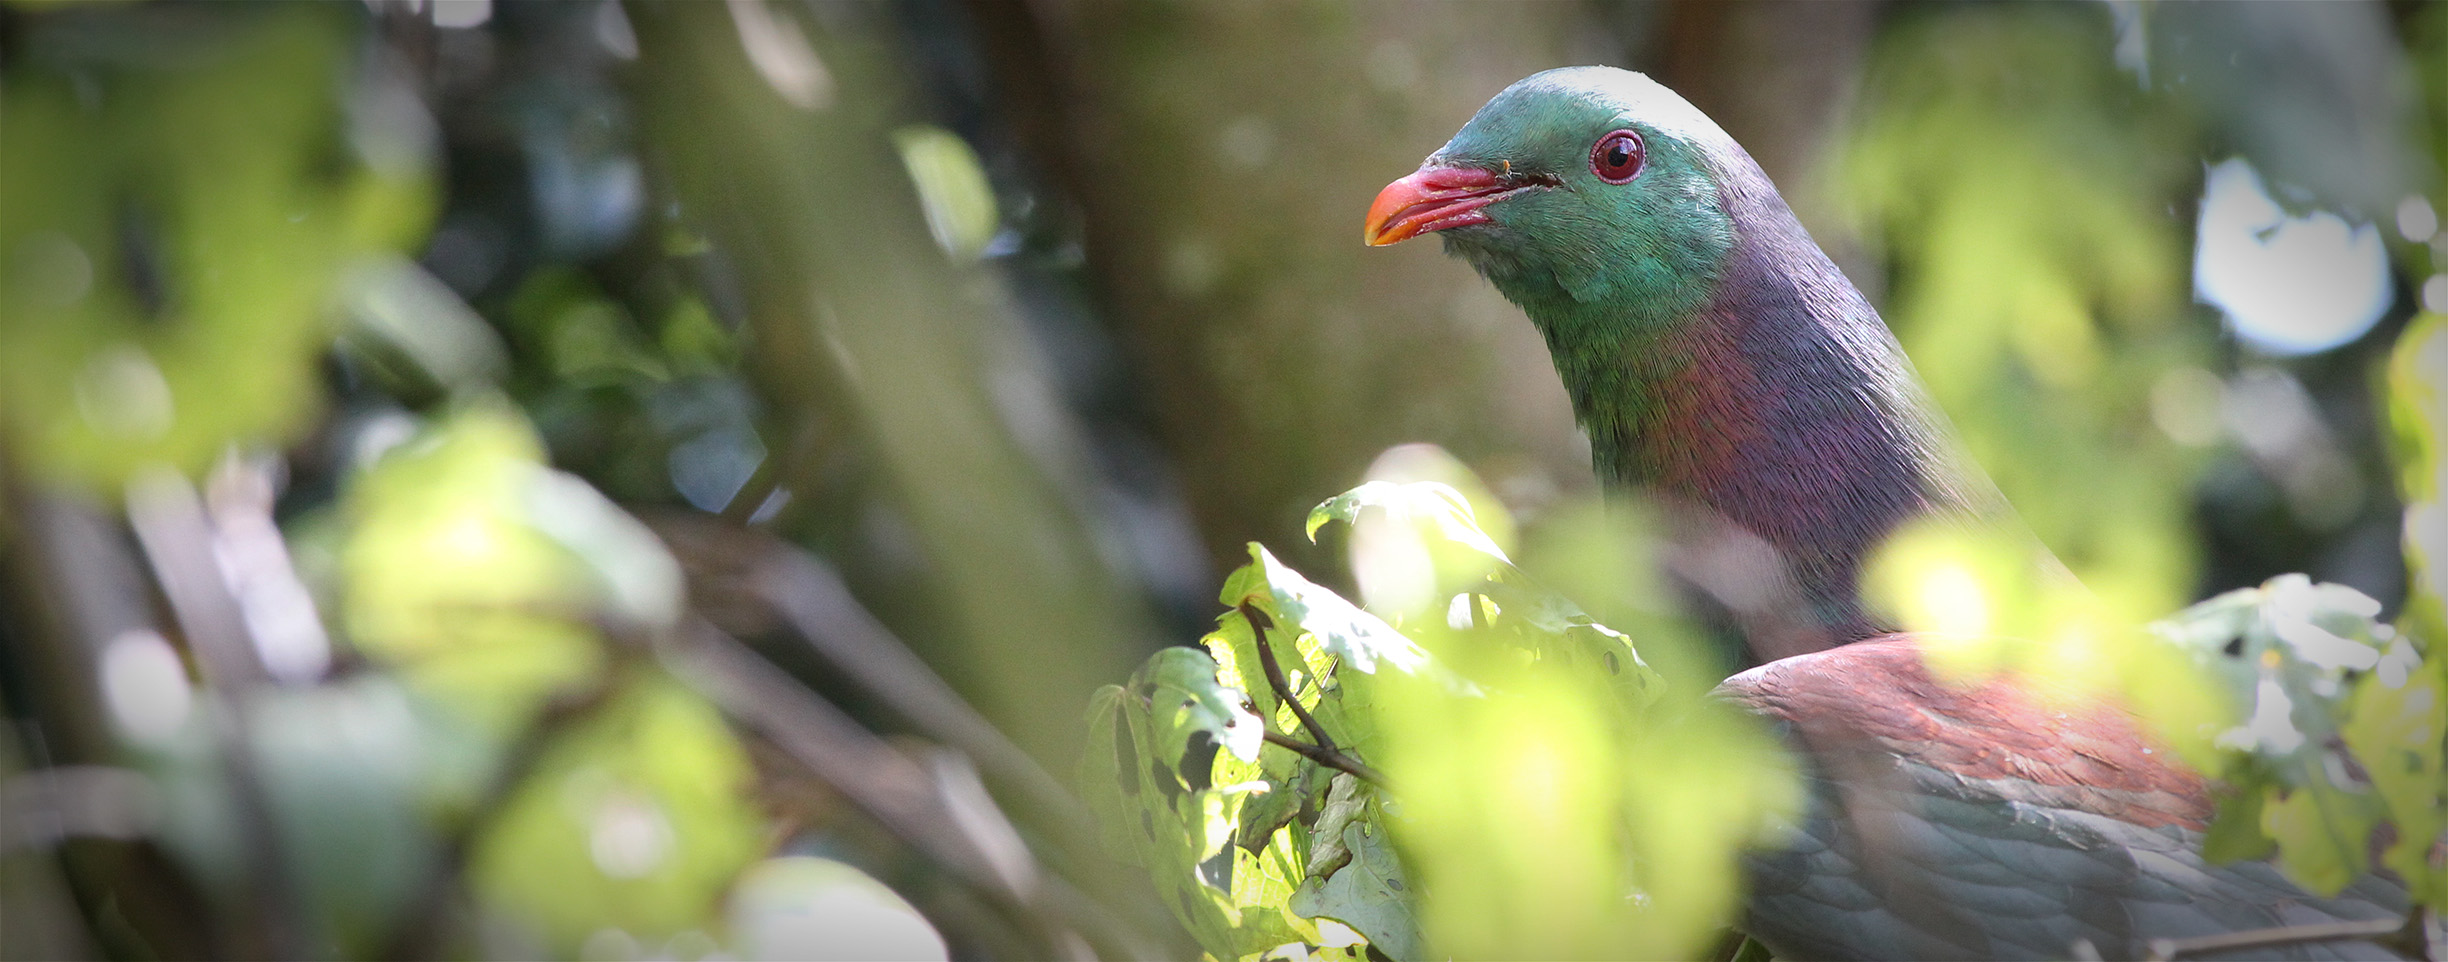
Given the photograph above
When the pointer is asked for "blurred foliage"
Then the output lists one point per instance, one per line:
(2392, 716)
(653, 792)
(1548, 792)
(2337, 733)
(148, 246)
(442, 575)
(356, 360)
(1984, 608)
(2038, 286)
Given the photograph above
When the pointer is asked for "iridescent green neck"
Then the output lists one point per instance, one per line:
(1619, 317)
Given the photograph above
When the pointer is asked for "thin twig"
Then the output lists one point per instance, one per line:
(2388, 932)
(753, 493)
(167, 517)
(1330, 758)
(1260, 624)
(877, 778)
(811, 598)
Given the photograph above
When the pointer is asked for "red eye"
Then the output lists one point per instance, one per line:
(1616, 157)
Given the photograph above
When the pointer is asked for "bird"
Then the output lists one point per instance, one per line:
(1721, 364)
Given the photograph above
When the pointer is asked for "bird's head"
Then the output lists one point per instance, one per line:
(1582, 184)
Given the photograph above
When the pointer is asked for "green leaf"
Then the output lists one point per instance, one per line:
(1534, 654)
(1265, 813)
(2323, 833)
(952, 186)
(411, 325)
(1431, 505)
(631, 575)
(2396, 731)
(480, 573)
(1342, 629)
(1368, 893)
(189, 233)
(2328, 691)
(2236, 834)
(1262, 884)
(639, 819)
(1109, 774)
(802, 907)
(1184, 697)
(2282, 652)
(1344, 804)
(1234, 646)
(1558, 629)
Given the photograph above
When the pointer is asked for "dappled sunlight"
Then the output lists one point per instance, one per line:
(1548, 791)
(2287, 284)
(654, 479)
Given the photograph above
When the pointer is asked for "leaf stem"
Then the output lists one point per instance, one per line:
(1260, 625)
(1330, 758)
(1325, 752)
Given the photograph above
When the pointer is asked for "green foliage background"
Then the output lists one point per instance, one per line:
(626, 479)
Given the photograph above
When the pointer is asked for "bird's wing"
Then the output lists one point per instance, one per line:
(1990, 822)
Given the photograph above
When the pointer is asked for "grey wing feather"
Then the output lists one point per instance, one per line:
(1961, 874)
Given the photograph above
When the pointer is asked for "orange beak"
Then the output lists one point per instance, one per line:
(1432, 199)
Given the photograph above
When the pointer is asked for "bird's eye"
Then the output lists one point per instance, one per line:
(1616, 157)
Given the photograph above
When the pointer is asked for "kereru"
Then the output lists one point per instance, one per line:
(1722, 364)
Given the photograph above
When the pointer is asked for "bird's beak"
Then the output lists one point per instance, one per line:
(1434, 198)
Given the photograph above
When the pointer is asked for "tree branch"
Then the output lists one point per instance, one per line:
(2402, 935)
(886, 783)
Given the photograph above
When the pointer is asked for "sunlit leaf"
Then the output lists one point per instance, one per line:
(2397, 730)
(1531, 776)
(407, 321)
(2040, 295)
(446, 574)
(637, 820)
(2338, 731)
(2322, 834)
(1342, 629)
(1430, 504)
(1181, 685)
(960, 204)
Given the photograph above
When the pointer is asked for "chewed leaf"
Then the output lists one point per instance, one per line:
(2310, 619)
(2338, 730)
(2283, 652)
(2396, 731)
(2271, 731)
(1184, 697)
(1368, 893)
(1431, 505)
(2208, 626)
(1362, 640)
